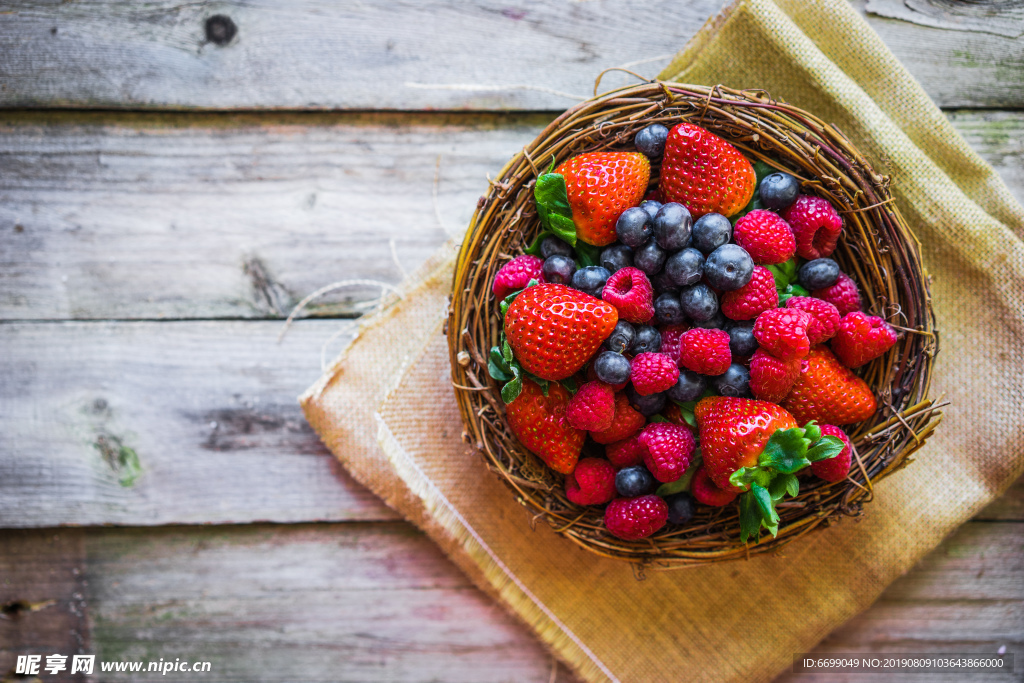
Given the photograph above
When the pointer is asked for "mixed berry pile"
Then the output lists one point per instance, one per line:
(691, 344)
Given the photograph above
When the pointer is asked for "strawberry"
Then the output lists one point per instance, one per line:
(782, 332)
(766, 237)
(862, 338)
(828, 392)
(753, 298)
(554, 329)
(516, 274)
(705, 173)
(771, 378)
(668, 450)
(540, 424)
(626, 422)
(600, 186)
(592, 407)
(704, 490)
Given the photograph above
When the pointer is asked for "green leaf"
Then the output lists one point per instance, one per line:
(587, 254)
(563, 228)
(506, 351)
(745, 476)
(534, 248)
(658, 418)
(511, 391)
(827, 447)
(786, 451)
(553, 206)
(683, 482)
(750, 518)
(766, 505)
(570, 384)
(497, 367)
(812, 432)
(783, 484)
(790, 291)
(761, 170)
(784, 273)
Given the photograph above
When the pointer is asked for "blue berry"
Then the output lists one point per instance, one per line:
(667, 310)
(651, 140)
(620, 338)
(558, 269)
(735, 382)
(699, 303)
(590, 280)
(616, 257)
(651, 207)
(741, 338)
(672, 226)
(551, 245)
(612, 368)
(634, 481)
(647, 340)
(685, 267)
(689, 387)
(663, 283)
(633, 227)
(650, 258)
(778, 190)
(680, 507)
(717, 322)
(818, 274)
(646, 405)
(711, 231)
(729, 267)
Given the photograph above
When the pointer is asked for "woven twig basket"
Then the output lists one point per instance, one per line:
(877, 249)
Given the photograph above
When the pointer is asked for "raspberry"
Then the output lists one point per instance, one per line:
(766, 237)
(669, 449)
(753, 298)
(816, 226)
(634, 518)
(625, 423)
(670, 336)
(862, 338)
(705, 351)
(782, 332)
(591, 483)
(625, 453)
(824, 317)
(592, 408)
(652, 373)
(771, 378)
(843, 295)
(837, 468)
(705, 491)
(516, 274)
(629, 290)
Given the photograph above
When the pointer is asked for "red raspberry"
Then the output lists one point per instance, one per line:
(824, 317)
(705, 491)
(843, 295)
(591, 483)
(634, 518)
(626, 422)
(516, 274)
(782, 332)
(668, 450)
(625, 453)
(837, 468)
(766, 237)
(705, 351)
(629, 290)
(670, 336)
(816, 226)
(771, 378)
(753, 298)
(653, 372)
(862, 338)
(592, 408)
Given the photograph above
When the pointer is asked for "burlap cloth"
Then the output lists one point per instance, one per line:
(742, 620)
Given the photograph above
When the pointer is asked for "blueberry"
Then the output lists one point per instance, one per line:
(620, 338)
(689, 387)
(558, 269)
(711, 231)
(650, 258)
(699, 303)
(741, 338)
(663, 283)
(729, 267)
(818, 274)
(734, 382)
(651, 207)
(778, 190)
(551, 245)
(667, 310)
(672, 226)
(633, 227)
(680, 507)
(647, 340)
(590, 280)
(685, 267)
(651, 140)
(634, 481)
(716, 322)
(616, 257)
(612, 368)
(647, 405)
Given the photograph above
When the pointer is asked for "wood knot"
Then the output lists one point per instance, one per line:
(220, 29)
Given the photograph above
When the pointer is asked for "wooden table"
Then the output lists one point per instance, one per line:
(171, 185)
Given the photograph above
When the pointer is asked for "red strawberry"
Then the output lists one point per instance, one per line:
(771, 378)
(670, 336)
(753, 298)
(668, 450)
(862, 338)
(601, 185)
(705, 351)
(782, 332)
(516, 274)
(629, 290)
(824, 317)
(625, 453)
(634, 518)
(591, 483)
(540, 424)
(766, 237)
(705, 173)
(816, 225)
(652, 373)
(626, 422)
(836, 468)
(828, 392)
(705, 491)
(554, 330)
(843, 295)
(592, 408)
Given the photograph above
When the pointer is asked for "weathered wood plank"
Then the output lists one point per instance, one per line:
(160, 423)
(131, 216)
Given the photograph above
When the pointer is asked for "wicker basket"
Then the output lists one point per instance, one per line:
(877, 249)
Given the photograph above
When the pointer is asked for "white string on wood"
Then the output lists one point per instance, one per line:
(332, 287)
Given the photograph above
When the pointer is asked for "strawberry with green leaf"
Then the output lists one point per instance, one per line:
(537, 418)
(589, 192)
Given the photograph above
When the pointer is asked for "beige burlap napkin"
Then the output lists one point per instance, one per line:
(739, 621)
